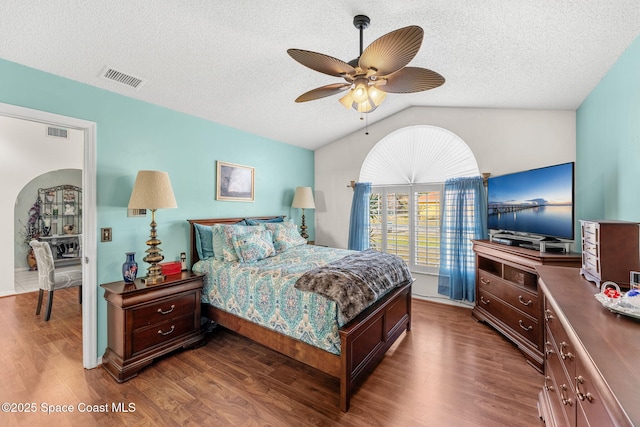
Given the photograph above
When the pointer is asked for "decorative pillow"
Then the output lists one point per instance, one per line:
(204, 241)
(223, 236)
(250, 221)
(253, 247)
(218, 239)
(285, 235)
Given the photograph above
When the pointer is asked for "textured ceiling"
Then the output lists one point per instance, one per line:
(226, 60)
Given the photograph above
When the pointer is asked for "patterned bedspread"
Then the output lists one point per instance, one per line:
(264, 293)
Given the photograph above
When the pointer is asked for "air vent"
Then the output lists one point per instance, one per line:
(122, 78)
(57, 132)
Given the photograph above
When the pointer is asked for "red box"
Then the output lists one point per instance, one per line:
(172, 267)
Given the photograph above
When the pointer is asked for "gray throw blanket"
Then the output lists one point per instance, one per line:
(356, 281)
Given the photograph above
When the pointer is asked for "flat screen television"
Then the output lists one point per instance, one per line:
(538, 202)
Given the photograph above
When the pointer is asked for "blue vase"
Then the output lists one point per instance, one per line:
(130, 268)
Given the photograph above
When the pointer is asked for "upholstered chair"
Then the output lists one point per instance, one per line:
(50, 280)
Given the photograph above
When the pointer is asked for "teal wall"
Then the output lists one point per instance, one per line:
(608, 144)
(134, 135)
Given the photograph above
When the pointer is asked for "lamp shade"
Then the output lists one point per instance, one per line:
(303, 198)
(152, 190)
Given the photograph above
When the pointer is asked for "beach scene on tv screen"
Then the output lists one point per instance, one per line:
(538, 202)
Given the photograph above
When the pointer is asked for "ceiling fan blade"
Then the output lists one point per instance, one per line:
(412, 79)
(323, 63)
(323, 91)
(392, 51)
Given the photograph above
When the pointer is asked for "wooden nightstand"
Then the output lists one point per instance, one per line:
(147, 321)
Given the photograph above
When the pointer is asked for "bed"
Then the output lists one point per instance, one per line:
(362, 340)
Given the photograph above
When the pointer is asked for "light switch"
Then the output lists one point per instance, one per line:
(105, 234)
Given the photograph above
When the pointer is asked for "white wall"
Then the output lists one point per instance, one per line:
(26, 152)
(502, 141)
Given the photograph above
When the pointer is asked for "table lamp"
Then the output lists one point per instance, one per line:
(303, 199)
(152, 190)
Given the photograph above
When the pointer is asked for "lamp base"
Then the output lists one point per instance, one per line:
(303, 227)
(153, 280)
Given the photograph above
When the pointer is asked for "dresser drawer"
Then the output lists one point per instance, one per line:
(161, 310)
(591, 231)
(561, 394)
(522, 324)
(560, 340)
(161, 333)
(590, 402)
(518, 297)
(591, 265)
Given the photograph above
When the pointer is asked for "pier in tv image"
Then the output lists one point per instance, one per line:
(537, 202)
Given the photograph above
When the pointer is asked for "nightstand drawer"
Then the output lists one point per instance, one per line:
(147, 338)
(161, 310)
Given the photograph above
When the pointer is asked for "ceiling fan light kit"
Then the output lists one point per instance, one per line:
(380, 69)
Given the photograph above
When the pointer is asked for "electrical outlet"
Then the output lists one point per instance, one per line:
(105, 234)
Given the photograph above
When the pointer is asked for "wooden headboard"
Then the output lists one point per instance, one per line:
(212, 221)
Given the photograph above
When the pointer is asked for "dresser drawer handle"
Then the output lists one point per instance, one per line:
(170, 331)
(548, 316)
(565, 401)
(564, 355)
(485, 281)
(549, 349)
(522, 301)
(484, 301)
(168, 311)
(526, 328)
(581, 395)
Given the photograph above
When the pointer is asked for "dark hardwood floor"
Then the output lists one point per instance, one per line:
(448, 371)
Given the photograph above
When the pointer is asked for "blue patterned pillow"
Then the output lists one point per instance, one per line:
(204, 241)
(255, 246)
(285, 235)
(223, 239)
(218, 239)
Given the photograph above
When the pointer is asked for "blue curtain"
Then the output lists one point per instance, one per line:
(359, 223)
(464, 219)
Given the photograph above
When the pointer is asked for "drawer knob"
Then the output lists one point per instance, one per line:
(564, 355)
(168, 311)
(581, 395)
(522, 301)
(526, 328)
(484, 281)
(170, 331)
(484, 301)
(547, 315)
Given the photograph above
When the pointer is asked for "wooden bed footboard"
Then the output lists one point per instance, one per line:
(364, 340)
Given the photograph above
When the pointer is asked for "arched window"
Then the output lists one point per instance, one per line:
(407, 170)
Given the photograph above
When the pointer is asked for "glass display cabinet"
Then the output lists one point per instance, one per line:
(60, 222)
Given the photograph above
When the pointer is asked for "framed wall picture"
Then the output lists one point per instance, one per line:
(234, 182)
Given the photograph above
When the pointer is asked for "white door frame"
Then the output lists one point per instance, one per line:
(89, 220)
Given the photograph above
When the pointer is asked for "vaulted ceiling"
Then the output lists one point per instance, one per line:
(226, 60)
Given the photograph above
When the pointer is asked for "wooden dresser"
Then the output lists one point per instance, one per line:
(610, 250)
(148, 321)
(507, 294)
(591, 356)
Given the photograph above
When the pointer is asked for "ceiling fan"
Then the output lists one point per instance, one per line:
(380, 69)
